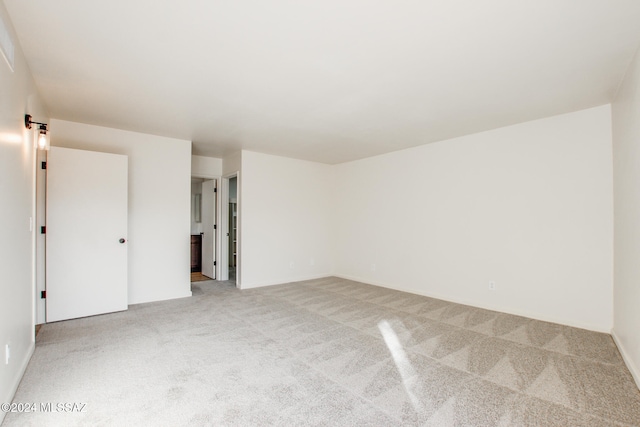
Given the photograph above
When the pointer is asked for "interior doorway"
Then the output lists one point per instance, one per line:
(233, 227)
(203, 228)
(230, 229)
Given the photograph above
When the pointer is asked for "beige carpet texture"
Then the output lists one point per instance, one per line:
(327, 352)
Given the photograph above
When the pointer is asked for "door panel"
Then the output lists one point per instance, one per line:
(208, 225)
(86, 221)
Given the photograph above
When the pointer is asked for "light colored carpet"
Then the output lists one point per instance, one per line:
(326, 352)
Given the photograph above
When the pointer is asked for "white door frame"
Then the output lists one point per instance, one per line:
(224, 229)
(40, 221)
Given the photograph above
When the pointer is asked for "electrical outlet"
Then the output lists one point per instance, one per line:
(7, 354)
(312, 262)
(492, 285)
(292, 264)
(373, 267)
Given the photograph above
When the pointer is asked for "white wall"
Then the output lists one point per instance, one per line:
(527, 206)
(159, 205)
(206, 167)
(286, 218)
(626, 156)
(232, 163)
(17, 198)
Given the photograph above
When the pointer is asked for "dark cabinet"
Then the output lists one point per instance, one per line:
(196, 253)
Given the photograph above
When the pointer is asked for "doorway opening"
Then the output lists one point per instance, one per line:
(230, 229)
(233, 227)
(203, 228)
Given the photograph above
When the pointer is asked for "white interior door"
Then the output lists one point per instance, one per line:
(209, 228)
(86, 233)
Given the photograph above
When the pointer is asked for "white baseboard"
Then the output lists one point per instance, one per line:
(507, 310)
(18, 378)
(163, 298)
(282, 282)
(627, 359)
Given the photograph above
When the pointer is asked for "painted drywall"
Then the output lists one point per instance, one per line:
(286, 220)
(527, 206)
(232, 163)
(159, 205)
(17, 197)
(206, 167)
(626, 157)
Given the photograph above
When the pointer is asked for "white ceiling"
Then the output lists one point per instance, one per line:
(328, 80)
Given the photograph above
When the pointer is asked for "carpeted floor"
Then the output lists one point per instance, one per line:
(324, 352)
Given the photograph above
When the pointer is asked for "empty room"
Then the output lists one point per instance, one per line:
(320, 213)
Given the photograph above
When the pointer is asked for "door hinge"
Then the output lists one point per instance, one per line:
(43, 229)
(43, 165)
(215, 190)
(214, 263)
(43, 294)
(215, 227)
